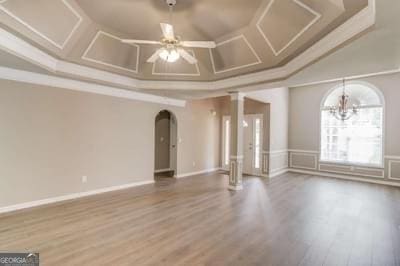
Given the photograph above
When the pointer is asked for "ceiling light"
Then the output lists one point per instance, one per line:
(169, 55)
(342, 111)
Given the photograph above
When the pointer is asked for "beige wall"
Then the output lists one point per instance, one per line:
(279, 114)
(51, 137)
(305, 115)
(162, 141)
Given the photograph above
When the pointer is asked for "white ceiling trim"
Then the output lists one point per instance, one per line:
(352, 27)
(238, 67)
(301, 32)
(60, 46)
(53, 81)
(154, 72)
(85, 54)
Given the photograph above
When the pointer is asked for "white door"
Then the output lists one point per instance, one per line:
(248, 139)
(226, 136)
(252, 143)
(173, 127)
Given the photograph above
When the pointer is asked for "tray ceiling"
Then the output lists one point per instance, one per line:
(251, 36)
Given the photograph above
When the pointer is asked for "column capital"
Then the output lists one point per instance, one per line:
(237, 96)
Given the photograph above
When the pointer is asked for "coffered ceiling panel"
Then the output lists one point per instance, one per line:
(233, 54)
(54, 21)
(108, 50)
(284, 21)
(251, 35)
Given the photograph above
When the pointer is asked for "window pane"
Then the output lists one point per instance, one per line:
(357, 140)
(257, 143)
(227, 141)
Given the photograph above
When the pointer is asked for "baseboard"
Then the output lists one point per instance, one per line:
(198, 172)
(162, 170)
(277, 173)
(47, 201)
(346, 177)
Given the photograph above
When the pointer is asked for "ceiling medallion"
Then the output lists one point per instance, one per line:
(172, 47)
(342, 111)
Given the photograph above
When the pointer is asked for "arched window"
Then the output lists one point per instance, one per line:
(358, 140)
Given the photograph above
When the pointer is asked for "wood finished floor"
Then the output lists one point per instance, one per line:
(290, 220)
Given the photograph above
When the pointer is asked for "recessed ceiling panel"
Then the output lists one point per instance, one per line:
(284, 21)
(233, 54)
(53, 20)
(108, 50)
(179, 68)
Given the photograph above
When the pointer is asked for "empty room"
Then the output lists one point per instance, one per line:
(200, 132)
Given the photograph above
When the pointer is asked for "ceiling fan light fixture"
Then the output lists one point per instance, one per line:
(170, 56)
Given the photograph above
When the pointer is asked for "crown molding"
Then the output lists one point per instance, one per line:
(351, 28)
(58, 82)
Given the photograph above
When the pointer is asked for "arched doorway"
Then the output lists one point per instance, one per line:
(165, 153)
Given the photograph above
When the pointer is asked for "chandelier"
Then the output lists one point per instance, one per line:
(342, 111)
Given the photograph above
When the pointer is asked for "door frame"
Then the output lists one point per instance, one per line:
(255, 171)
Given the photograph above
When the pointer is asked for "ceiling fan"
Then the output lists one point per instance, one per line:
(172, 47)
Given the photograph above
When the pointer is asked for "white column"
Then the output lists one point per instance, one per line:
(236, 145)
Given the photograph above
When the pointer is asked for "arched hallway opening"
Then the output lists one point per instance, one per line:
(165, 148)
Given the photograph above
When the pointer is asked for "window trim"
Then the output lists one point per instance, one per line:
(323, 108)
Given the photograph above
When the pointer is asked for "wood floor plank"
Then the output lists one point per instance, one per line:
(293, 219)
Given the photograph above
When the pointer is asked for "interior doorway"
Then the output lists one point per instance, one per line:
(252, 143)
(166, 132)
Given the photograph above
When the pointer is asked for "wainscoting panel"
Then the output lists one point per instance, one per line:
(394, 169)
(303, 160)
(352, 170)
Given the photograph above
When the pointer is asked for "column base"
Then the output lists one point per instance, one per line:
(235, 188)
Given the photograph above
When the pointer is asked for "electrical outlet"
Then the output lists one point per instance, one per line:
(84, 179)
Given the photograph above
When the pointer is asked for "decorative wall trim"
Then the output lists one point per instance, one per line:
(153, 71)
(275, 152)
(392, 157)
(42, 35)
(304, 151)
(238, 67)
(58, 82)
(100, 32)
(301, 32)
(390, 162)
(277, 173)
(162, 170)
(351, 170)
(291, 165)
(205, 171)
(316, 173)
(78, 195)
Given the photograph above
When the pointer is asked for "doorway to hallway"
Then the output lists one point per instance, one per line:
(165, 153)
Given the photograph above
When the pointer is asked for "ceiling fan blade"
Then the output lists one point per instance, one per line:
(188, 57)
(154, 57)
(168, 30)
(140, 41)
(199, 44)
